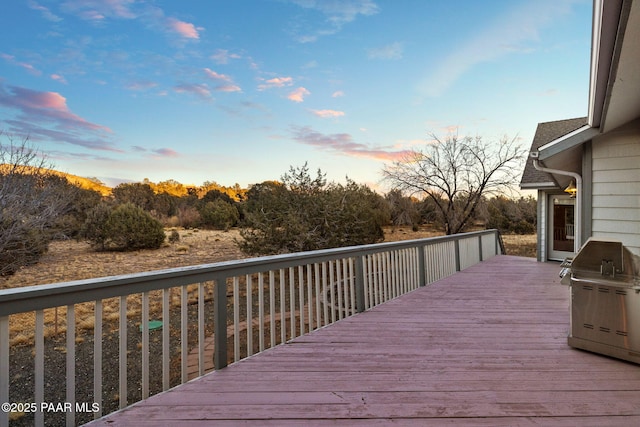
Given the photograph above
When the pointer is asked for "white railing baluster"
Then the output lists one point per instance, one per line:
(415, 262)
(249, 315)
(352, 286)
(384, 265)
(376, 280)
(71, 364)
(201, 328)
(397, 274)
(384, 276)
(292, 302)
(166, 337)
(411, 260)
(261, 311)
(339, 289)
(301, 298)
(367, 282)
(122, 386)
(145, 345)
(272, 308)
(97, 358)
(345, 287)
(39, 366)
(403, 273)
(316, 270)
(332, 296)
(325, 303)
(309, 298)
(184, 334)
(382, 268)
(283, 307)
(236, 319)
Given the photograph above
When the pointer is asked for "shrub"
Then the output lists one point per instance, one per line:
(219, 214)
(95, 227)
(174, 236)
(131, 228)
(304, 214)
(126, 227)
(512, 216)
(189, 217)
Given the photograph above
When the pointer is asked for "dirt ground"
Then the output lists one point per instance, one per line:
(72, 260)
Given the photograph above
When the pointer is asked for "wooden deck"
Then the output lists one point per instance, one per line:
(484, 347)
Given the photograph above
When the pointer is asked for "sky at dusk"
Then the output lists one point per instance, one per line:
(236, 91)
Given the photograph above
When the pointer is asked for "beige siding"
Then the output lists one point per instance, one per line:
(616, 186)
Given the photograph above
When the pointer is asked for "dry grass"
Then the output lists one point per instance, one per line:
(520, 245)
(71, 260)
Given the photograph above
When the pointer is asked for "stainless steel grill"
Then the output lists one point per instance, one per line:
(605, 299)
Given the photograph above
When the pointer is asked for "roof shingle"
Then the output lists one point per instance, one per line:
(545, 133)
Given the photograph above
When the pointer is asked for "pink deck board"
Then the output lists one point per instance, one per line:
(484, 347)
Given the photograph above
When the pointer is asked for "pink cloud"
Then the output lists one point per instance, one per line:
(227, 86)
(201, 90)
(328, 113)
(298, 94)
(58, 78)
(343, 143)
(184, 29)
(216, 76)
(166, 152)
(45, 106)
(46, 116)
(276, 82)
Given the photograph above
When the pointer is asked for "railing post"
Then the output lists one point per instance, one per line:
(480, 257)
(457, 253)
(220, 323)
(359, 283)
(421, 266)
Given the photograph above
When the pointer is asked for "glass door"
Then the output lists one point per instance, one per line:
(561, 226)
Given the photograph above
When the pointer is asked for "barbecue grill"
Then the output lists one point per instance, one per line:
(605, 299)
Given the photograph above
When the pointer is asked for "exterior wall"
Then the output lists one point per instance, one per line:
(616, 186)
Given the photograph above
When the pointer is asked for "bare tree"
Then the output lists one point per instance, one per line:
(32, 199)
(456, 173)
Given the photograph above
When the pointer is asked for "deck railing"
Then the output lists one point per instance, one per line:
(241, 307)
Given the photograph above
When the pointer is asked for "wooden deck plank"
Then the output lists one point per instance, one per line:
(408, 422)
(484, 347)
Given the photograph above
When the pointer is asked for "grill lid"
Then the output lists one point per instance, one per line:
(608, 260)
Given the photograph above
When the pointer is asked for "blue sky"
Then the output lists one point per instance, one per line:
(236, 91)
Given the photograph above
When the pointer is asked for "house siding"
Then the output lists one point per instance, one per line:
(616, 186)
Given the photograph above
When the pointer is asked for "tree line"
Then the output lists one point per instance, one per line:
(299, 212)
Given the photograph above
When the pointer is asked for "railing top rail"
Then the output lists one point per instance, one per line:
(18, 300)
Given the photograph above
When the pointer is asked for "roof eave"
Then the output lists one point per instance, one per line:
(538, 186)
(570, 140)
